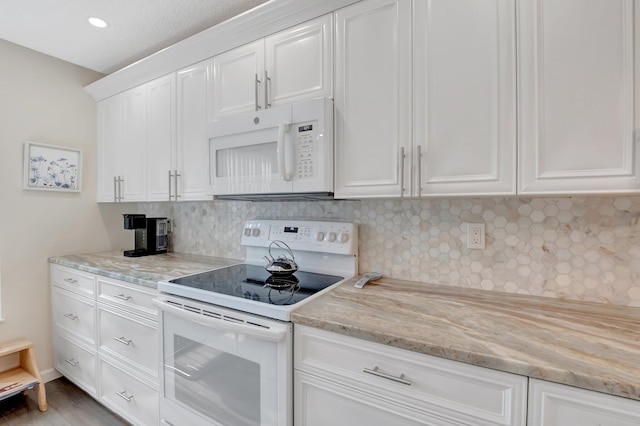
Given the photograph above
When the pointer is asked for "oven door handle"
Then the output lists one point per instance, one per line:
(262, 333)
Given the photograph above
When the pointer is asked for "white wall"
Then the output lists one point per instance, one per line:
(42, 100)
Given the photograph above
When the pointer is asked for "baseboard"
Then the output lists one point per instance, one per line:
(50, 374)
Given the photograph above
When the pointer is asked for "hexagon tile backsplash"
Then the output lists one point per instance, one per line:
(575, 248)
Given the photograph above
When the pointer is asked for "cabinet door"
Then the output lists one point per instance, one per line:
(551, 404)
(464, 88)
(161, 119)
(133, 155)
(238, 80)
(576, 103)
(373, 99)
(192, 153)
(299, 63)
(109, 142)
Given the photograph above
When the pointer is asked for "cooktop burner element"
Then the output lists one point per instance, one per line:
(255, 283)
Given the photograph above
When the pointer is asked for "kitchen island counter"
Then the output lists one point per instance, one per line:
(144, 270)
(588, 345)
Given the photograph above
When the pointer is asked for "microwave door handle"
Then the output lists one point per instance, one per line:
(282, 164)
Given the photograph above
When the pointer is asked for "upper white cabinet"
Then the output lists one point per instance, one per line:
(576, 102)
(429, 111)
(373, 99)
(464, 97)
(289, 66)
(109, 145)
(190, 177)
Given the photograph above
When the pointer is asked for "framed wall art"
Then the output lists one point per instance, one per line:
(52, 168)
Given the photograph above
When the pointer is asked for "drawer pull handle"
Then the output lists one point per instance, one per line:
(71, 317)
(123, 340)
(376, 372)
(71, 281)
(72, 361)
(124, 396)
(122, 296)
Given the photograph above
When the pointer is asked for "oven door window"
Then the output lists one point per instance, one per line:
(226, 377)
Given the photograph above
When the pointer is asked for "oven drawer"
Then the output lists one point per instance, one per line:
(452, 389)
(75, 363)
(133, 399)
(73, 314)
(130, 337)
(128, 296)
(73, 280)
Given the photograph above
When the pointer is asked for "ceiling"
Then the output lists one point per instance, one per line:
(137, 28)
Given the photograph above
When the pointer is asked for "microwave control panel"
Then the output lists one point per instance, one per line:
(306, 141)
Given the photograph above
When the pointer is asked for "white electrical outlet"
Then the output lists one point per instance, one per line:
(475, 235)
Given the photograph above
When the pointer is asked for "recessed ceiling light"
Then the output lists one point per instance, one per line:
(97, 22)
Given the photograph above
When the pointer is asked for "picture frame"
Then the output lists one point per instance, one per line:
(52, 168)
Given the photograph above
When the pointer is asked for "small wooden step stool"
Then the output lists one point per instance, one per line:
(26, 376)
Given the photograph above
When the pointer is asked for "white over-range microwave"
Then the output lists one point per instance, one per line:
(278, 153)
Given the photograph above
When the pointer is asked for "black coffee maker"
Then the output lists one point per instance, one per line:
(151, 236)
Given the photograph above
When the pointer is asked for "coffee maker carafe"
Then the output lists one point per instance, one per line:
(151, 236)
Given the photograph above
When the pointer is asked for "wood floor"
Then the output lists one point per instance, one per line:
(67, 406)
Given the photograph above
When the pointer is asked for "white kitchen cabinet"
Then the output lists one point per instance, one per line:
(464, 98)
(576, 97)
(191, 171)
(552, 404)
(341, 380)
(373, 99)
(133, 149)
(289, 66)
(450, 130)
(109, 145)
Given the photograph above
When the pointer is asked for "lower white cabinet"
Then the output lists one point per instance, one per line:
(342, 380)
(551, 404)
(105, 338)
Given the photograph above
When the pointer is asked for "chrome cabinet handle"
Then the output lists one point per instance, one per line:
(175, 184)
(402, 157)
(115, 189)
(376, 372)
(257, 92)
(170, 176)
(72, 361)
(123, 340)
(120, 197)
(122, 297)
(71, 317)
(124, 396)
(267, 83)
(419, 170)
(71, 281)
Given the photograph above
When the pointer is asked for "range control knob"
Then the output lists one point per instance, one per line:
(343, 237)
(320, 236)
(255, 232)
(331, 236)
(247, 232)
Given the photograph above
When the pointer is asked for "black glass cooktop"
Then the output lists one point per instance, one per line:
(255, 283)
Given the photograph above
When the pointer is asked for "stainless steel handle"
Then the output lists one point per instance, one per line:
(175, 183)
(257, 90)
(123, 340)
(71, 281)
(267, 83)
(170, 176)
(115, 189)
(71, 317)
(124, 396)
(402, 157)
(376, 372)
(72, 361)
(177, 370)
(122, 296)
(121, 197)
(419, 170)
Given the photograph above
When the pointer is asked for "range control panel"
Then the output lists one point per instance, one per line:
(328, 237)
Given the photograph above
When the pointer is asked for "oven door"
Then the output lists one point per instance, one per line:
(223, 367)
(251, 153)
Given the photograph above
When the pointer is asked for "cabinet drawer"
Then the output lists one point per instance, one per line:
(134, 400)
(73, 279)
(477, 395)
(76, 363)
(131, 337)
(129, 296)
(551, 404)
(73, 314)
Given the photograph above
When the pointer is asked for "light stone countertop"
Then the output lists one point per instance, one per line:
(588, 345)
(144, 270)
